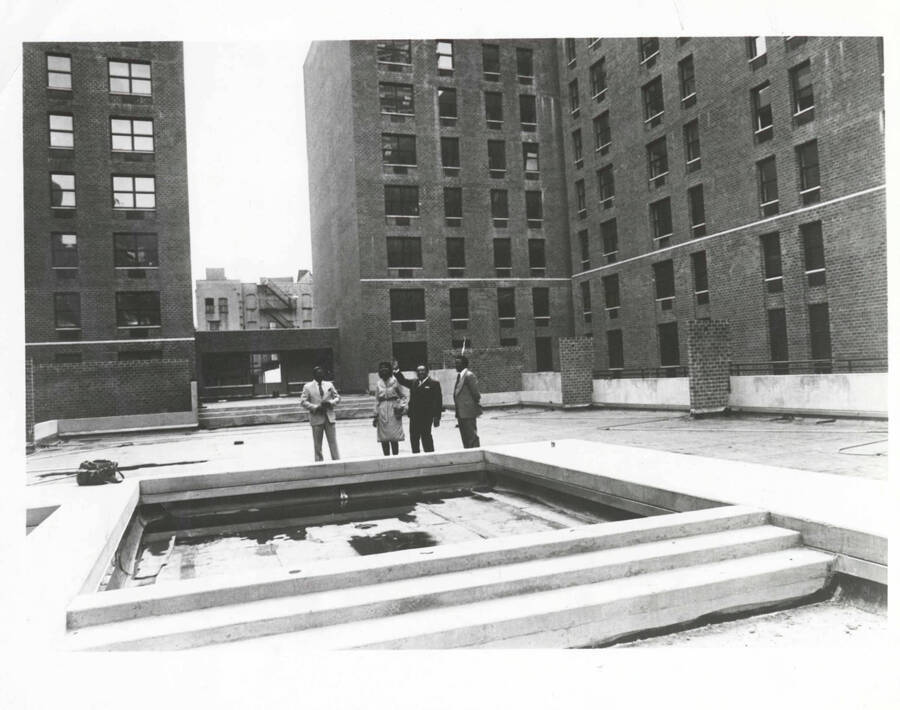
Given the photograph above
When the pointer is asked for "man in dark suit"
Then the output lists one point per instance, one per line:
(466, 399)
(425, 406)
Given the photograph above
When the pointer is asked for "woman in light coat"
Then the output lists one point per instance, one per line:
(390, 405)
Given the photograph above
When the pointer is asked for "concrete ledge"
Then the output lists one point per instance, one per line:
(849, 413)
(111, 425)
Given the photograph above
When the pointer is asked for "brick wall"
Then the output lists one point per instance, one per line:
(576, 363)
(709, 361)
(29, 400)
(497, 369)
(100, 389)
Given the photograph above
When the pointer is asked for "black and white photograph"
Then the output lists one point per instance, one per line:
(442, 356)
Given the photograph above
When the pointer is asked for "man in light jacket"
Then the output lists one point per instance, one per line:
(319, 398)
(466, 399)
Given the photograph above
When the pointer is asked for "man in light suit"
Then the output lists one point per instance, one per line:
(319, 398)
(466, 399)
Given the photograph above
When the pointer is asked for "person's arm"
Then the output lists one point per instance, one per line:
(401, 378)
(437, 404)
(304, 401)
(472, 382)
(334, 396)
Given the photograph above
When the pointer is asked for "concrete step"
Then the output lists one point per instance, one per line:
(388, 605)
(189, 595)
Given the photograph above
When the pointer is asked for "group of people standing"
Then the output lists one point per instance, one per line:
(423, 405)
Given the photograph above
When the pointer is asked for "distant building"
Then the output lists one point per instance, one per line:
(108, 319)
(512, 192)
(276, 302)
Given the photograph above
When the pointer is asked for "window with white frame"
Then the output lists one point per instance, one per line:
(808, 167)
(59, 71)
(134, 192)
(62, 190)
(131, 134)
(62, 130)
(127, 77)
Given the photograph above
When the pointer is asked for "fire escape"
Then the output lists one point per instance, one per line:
(274, 301)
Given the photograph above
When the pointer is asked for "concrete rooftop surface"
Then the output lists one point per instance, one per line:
(845, 447)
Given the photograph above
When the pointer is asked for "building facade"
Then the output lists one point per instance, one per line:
(278, 302)
(513, 192)
(108, 313)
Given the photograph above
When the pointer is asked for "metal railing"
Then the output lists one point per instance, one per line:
(810, 367)
(641, 373)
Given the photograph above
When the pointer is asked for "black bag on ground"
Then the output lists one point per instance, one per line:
(98, 472)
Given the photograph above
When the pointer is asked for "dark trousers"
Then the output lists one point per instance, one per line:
(420, 429)
(468, 430)
(390, 447)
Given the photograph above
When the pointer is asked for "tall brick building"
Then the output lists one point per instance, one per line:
(515, 192)
(108, 313)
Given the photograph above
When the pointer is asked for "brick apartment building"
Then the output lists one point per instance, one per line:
(277, 302)
(108, 314)
(514, 192)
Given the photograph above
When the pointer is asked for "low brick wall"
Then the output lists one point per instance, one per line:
(111, 388)
(709, 363)
(497, 369)
(576, 362)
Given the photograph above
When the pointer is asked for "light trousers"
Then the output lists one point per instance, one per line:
(328, 429)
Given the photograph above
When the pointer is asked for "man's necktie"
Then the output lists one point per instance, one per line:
(321, 391)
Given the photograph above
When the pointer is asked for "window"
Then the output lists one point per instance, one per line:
(819, 333)
(692, 146)
(401, 200)
(606, 185)
(67, 311)
(530, 158)
(67, 358)
(404, 252)
(527, 112)
(134, 192)
(62, 131)
(584, 244)
(609, 236)
(62, 190)
(598, 78)
(456, 253)
(506, 305)
(137, 309)
(490, 60)
(133, 355)
(135, 251)
(459, 308)
(499, 205)
(585, 301)
(502, 256)
(534, 207)
(808, 165)
(697, 211)
(543, 351)
(493, 108)
(410, 355)
(614, 349)
(792, 42)
(497, 157)
(223, 306)
(653, 101)
(129, 78)
(64, 251)
(444, 53)
(396, 99)
(649, 48)
(771, 253)
(59, 71)
(658, 161)
(802, 92)
(761, 99)
(611, 292)
(813, 253)
(768, 186)
(580, 198)
(210, 305)
(407, 304)
(701, 277)
(394, 51)
(508, 342)
(756, 47)
(668, 345)
(540, 301)
(135, 135)
(593, 42)
(661, 222)
(602, 134)
(778, 342)
(574, 97)
(213, 325)
(398, 149)
(576, 147)
(570, 50)
(524, 63)
(688, 86)
(664, 279)
(537, 257)
(450, 152)
(453, 203)
(447, 103)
